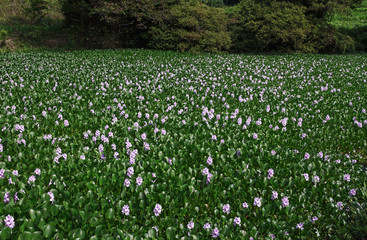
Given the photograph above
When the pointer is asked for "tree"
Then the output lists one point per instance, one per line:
(35, 9)
(192, 26)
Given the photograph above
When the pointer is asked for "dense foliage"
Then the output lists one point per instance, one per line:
(159, 145)
(192, 26)
(254, 25)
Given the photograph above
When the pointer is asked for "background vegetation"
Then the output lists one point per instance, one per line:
(321, 26)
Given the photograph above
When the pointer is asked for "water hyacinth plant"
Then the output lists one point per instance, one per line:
(140, 144)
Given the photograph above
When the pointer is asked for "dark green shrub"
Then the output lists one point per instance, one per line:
(192, 26)
(36, 9)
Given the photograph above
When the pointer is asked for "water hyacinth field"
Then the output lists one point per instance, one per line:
(135, 144)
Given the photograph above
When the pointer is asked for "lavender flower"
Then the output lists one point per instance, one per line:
(130, 171)
(270, 173)
(339, 205)
(31, 179)
(126, 210)
(209, 161)
(9, 222)
(307, 156)
(190, 225)
(314, 219)
(306, 176)
(352, 192)
(274, 195)
(245, 205)
(52, 197)
(285, 201)
(300, 226)
(139, 181)
(226, 208)
(257, 202)
(206, 226)
(347, 177)
(237, 221)
(215, 233)
(37, 171)
(316, 179)
(16, 198)
(127, 182)
(157, 210)
(6, 197)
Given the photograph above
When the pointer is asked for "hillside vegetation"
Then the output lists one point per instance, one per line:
(322, 26)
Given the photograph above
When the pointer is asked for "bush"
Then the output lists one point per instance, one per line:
(192, 26)
(35, 9)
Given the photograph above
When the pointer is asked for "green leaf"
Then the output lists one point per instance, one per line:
(170, 233)
(32, 214)
(110, 213)
(152, 233)
(47, 230)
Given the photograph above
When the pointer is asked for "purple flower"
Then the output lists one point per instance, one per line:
(226, 208)
(215, 233)
(300, 226)
(306, 176)
(127, 182)
(139, 181)
(126, 210)
(285, 201)
(347, 177)
(320, 154)
(157, 210)
(66, 123)
(352, 192)
(190, 225)
(209, 160)
(257, 202)
(2, 171)
(15, 173)
(314, 219)
(270, 173)
(316, 179)
(208, 177)
(52, 197)
(31, 179)
(130, 171)
(307, 156)
(254, 136)
(339, 205)
(273, 152)
(144, 136)
(245, 205)
(206, 226)
(6, 197)
(37, 171)
(205, 171)
(9, 222)
(274, 195)
(237, 221)
(16, 198)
